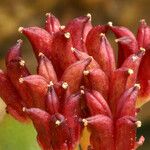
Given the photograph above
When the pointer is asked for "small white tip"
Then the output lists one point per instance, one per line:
(50, 84)
(22, 63)
(41, 54)
(85, 122)
(47, 14)
(62, 27)
(21, 80)
(89, 16)
(116, 40)
(102, 34)
(65, 85)
(137, 86)
(19, 41)
(24, 109)
(20, 29)
(73, 49)
(130, 71)
(142, 49)
(57, 122)
(86, 72)
(67, 35)
(138, 124)
(82, 92)
(110, 23)
(134, 58)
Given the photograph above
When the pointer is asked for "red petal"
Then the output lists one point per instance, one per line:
(37, 87)
(62, 55)
(125, 133)
(117, 86)
(82, 55)
(74, 73)
(41, 120)
(40, 39)
(102, 126)
(79, 28)
(46, 69)
(126, 41)
(126, 103)
(97, 104)
(11, 98)
(99, 47)
(52, 101)
(98, 81)
(139, 142)
(52, 24)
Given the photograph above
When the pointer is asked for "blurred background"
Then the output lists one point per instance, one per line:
(16, 136)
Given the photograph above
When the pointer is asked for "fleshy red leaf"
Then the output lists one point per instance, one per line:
(117, 86)
(11, 98)
(52, 101)
(125, 133)
(41, 120)
(97, 104)
(46, 69)
(98, 81)
(40, 40)
(102, 127)
(52, 24)
(74, 74)
(79, 28)
(37, 87)
(82, 55)
(126, 103)
(126, 42)
(143, 35)
(99, 47)
(16, 69)
(62, 55)
(133, 62)
(72, 112)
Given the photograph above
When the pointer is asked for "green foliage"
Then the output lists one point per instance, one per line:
(17, 136)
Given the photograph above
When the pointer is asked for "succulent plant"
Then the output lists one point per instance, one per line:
(80, 84)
